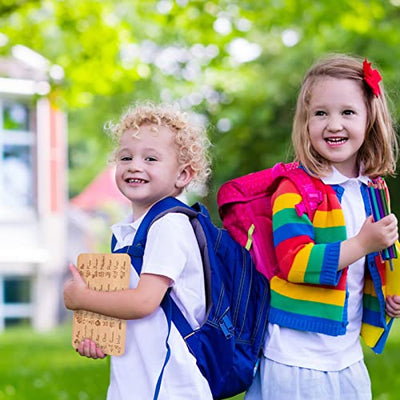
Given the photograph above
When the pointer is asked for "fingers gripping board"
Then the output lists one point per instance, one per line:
(105, 272)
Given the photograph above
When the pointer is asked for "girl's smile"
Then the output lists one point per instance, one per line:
(335, 141)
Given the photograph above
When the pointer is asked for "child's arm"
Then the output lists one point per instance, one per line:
(125, 304)
(302, 258)
(373, 237)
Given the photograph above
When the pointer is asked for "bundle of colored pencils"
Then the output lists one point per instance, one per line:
(380, 205)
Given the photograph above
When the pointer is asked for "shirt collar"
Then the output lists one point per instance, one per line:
(125, 230)
(337, 178)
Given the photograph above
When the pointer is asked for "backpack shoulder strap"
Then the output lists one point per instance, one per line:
(158, 210)
(311, 195)
(164, 206)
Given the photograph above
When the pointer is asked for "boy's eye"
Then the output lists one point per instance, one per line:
(125, 158)
(150, 159)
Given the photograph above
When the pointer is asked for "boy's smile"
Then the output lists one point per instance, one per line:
(147, 167)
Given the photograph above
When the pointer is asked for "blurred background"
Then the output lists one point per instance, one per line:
(68, 67)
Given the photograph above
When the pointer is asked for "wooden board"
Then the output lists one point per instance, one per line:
(107, 272)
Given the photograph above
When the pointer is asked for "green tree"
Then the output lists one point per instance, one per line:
(238, 63)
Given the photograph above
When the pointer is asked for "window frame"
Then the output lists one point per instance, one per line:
(15, 310)
(20, 138)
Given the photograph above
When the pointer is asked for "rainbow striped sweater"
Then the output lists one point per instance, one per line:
(309, 293)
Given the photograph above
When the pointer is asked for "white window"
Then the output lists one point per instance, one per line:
(15, 300)
(17, 163)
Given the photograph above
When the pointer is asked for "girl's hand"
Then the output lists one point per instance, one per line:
(393, 306)
(373, 237)
(88, 348)
(376, 236)
(74, 289)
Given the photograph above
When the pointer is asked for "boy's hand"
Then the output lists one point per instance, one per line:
(74, 289)
(88, 348)
(393, 306)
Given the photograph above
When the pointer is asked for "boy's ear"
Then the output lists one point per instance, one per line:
(185, 175)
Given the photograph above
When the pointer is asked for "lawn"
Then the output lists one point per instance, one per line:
(44, 366)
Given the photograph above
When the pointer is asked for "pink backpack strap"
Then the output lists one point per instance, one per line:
(311, 196)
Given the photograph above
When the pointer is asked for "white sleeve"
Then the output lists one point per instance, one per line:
(169, 242)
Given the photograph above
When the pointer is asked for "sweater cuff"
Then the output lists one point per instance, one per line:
(329, 273)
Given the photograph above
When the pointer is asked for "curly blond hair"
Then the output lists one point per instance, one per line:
(190, 138)
(379, 152)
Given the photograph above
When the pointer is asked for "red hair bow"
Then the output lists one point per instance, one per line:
(372, 77)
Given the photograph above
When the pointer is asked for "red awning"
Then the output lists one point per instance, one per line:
(102, 190)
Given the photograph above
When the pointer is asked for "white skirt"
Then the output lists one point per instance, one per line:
(275, 381)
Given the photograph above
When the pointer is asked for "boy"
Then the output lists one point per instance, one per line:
(159, 153)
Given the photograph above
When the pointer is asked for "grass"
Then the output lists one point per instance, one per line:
(44, 366)
(37, 366)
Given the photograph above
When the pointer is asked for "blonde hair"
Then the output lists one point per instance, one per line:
(191, 139)
(378, 154)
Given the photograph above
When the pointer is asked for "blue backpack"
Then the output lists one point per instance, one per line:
(228, 343)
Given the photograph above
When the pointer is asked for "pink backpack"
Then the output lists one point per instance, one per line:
(244, 205)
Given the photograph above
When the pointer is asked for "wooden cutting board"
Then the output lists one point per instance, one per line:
(106, 272)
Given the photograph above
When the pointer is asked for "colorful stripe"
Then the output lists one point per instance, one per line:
(330, 218)
(315, 264)
(300, 263)
(305, 308)
(310, 293)
(330, 234)
(286, 200)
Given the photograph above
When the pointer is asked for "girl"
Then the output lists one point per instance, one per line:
(159, 153)
(329, 289)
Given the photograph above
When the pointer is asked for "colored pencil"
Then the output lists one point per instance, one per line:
(378, 195)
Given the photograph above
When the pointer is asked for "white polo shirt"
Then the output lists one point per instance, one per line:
(172, 251)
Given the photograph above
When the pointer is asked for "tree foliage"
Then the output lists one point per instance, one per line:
(237, 63)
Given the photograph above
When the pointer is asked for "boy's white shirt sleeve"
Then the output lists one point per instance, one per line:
(167, 247)
(172, 251)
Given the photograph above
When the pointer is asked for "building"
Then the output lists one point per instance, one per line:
(33, 191)
(92, 212)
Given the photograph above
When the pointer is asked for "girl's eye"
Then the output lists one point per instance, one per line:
(150, 159)
(348, 112)
(320, 113)
(126, 158)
